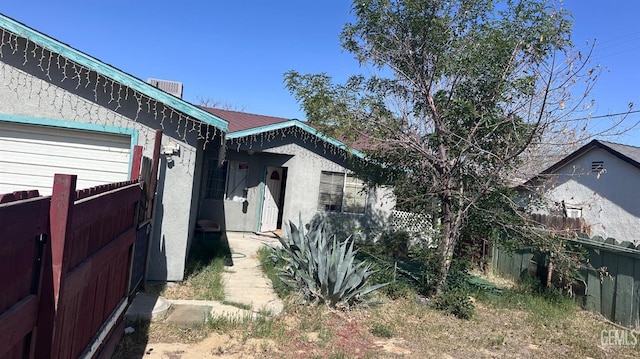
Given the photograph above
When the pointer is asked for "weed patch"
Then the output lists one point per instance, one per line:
(382, 331)
(270, 265)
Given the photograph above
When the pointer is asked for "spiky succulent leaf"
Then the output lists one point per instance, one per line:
(323, 269)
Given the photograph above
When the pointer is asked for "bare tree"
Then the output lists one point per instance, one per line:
(211, 103)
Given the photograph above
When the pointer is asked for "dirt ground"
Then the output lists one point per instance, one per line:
(412, 331)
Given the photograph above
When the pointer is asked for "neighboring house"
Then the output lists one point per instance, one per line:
(599, 183)
(62, 111)
(277, 170)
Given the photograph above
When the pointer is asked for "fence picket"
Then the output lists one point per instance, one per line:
(76, 279)
(593, 282)
(624, 291)
(614, 294)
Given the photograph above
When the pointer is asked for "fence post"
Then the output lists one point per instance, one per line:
(136, 163)
(60, 214)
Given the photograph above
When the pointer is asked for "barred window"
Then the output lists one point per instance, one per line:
(227, 181)
(215, 180)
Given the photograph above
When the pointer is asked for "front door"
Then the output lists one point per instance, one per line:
(272, 198)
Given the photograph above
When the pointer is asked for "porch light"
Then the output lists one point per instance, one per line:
(170, 150)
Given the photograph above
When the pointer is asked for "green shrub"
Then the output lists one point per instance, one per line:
(456, 302)
(321, 268)
(398, 285)
(395, 244)
(382, 331)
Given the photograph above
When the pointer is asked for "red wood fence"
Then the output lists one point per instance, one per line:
(64, 269)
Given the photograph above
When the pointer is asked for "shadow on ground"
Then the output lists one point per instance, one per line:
(206, 248)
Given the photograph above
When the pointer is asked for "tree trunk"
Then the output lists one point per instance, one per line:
(448, 240)
(549, 272)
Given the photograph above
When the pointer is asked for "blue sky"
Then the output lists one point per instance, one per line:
(236, 52)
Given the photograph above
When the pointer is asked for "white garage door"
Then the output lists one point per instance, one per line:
(30, 155)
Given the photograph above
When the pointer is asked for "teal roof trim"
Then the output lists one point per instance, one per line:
(111, 72)
(294, 123)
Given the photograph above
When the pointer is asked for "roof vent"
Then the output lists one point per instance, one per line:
(172, 87)
(597, 166)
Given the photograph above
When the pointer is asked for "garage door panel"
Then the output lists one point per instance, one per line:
(31, 155)
(22, 182)
(82, 161)
(93, 173)
(19, 182)
(51, 149)
(67, 137)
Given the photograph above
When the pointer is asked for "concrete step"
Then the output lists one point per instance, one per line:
(147, 307)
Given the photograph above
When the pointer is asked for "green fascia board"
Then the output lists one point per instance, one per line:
(111, 72)
(294, 123)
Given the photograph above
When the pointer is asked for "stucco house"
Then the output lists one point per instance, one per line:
(599, 183)
(278, 169)
(63, 111)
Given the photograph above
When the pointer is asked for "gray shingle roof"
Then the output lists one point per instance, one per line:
(630, 154)
(627, 153)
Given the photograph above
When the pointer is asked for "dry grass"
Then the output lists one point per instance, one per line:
(494, 278)
(405, 329)
(508, 325)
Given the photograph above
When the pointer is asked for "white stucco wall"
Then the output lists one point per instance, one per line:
(610, 200)
(26, 92)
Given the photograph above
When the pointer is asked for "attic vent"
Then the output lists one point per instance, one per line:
(172, 87)
(597, 166)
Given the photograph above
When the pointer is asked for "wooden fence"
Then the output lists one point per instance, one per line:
(65, 264)
(560, 224)
(615, 293)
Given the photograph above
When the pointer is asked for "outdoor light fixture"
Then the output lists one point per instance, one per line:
(170, 150)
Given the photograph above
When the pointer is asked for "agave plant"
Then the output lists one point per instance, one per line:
(323, 269)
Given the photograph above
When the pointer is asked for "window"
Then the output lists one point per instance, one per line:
(237, 181)
(341, 193)
(331, 186)
(574, 212)
(227, 181)
(216, 177)
(355, 196)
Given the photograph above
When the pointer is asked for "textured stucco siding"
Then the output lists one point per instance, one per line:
(610, 200)
(25, 91)
(304, 161)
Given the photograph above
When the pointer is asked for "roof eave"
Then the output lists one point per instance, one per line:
(111, 72)
(294, 123)
(575, 154)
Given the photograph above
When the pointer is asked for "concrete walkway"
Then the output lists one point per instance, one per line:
(244, 283)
